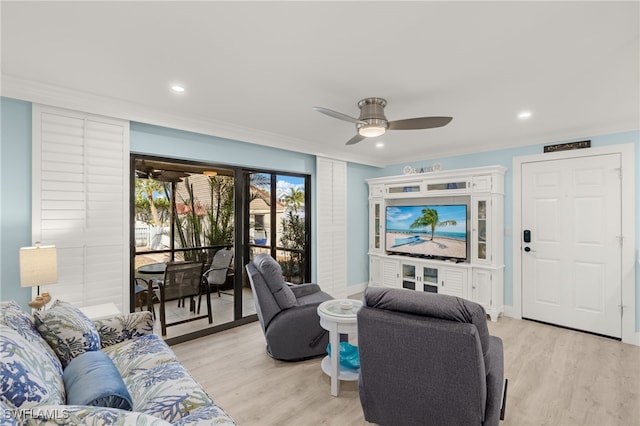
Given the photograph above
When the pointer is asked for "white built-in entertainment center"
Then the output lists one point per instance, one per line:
(409, 249)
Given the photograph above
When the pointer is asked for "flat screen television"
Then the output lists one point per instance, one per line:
(433, 231)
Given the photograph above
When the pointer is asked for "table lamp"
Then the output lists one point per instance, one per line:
(38, 266)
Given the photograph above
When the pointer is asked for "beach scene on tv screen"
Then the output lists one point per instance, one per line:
(439, 231)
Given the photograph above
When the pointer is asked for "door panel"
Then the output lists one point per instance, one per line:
(590, 294)
(571, 274)
(546, 288)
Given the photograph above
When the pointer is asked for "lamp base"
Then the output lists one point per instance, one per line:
(40, 301)
(37, 303)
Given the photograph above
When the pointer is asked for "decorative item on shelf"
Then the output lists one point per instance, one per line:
(349, 356)
(38, 266)
(435, 167)
(346, 305)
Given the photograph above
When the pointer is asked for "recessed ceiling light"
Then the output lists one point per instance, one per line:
(523, 115)
(177, 88)
(379, 144)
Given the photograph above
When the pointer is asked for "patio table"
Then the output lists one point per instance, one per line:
(152, 269)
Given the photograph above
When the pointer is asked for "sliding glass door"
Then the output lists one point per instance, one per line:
(184, 212)
(278, 221)
(187, 211)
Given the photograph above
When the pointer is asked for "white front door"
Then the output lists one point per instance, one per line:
(571, 268)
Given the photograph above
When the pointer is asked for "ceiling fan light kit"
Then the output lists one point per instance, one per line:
(372, 121)
(372, 130)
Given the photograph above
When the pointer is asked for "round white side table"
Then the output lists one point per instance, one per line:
(338, 316)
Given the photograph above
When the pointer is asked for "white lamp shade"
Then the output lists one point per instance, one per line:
(38, 266)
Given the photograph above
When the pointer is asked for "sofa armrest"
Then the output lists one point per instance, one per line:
(301, 290)
(207, 415)
(121, 327)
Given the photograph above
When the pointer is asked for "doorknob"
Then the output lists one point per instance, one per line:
(528, 249)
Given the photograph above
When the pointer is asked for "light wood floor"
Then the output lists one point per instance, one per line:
(556, 377)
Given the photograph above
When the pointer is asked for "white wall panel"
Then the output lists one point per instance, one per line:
(81, 203)
(331, 222)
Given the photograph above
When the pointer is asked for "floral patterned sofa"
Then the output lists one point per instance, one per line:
(36, 353)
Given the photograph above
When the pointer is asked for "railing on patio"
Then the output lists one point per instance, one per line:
(292, 261)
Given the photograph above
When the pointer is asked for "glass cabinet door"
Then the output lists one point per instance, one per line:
(482, 230)
(408, 276)
(430, 279)
(376, 225)
(403, 189)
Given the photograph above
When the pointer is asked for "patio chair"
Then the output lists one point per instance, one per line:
(144, 295)
(216, 275)
(181, 281)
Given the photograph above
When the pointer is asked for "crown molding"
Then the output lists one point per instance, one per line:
(28, 90)
(62, 97)
(568, 135)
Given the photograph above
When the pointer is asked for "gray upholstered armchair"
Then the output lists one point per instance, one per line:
(288, 315)
(428, 359)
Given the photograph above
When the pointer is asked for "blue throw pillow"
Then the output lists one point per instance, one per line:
(92, 378)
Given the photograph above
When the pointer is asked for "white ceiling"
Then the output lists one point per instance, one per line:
(254, 70)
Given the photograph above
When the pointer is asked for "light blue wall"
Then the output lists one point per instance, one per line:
(358, 222)
(15, 195)
(15, 185)
(505, 158)
(166, 142)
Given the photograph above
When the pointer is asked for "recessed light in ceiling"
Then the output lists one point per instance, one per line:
(524, 115)
(379, 144)
(177, 88)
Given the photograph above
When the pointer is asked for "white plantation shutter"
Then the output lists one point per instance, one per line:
(332, 226)
(81, 203)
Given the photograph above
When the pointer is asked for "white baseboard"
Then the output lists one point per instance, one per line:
(634, 339)
(356, 288)
(511, 312)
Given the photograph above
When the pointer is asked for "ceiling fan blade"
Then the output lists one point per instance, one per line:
(174, 173)
(419, 123)
(354, 140)
(338, 115)
(167, 179)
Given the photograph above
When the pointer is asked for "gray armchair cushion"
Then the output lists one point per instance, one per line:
(431, 345)
(302, 290)
(272, 274)
(438, 306)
